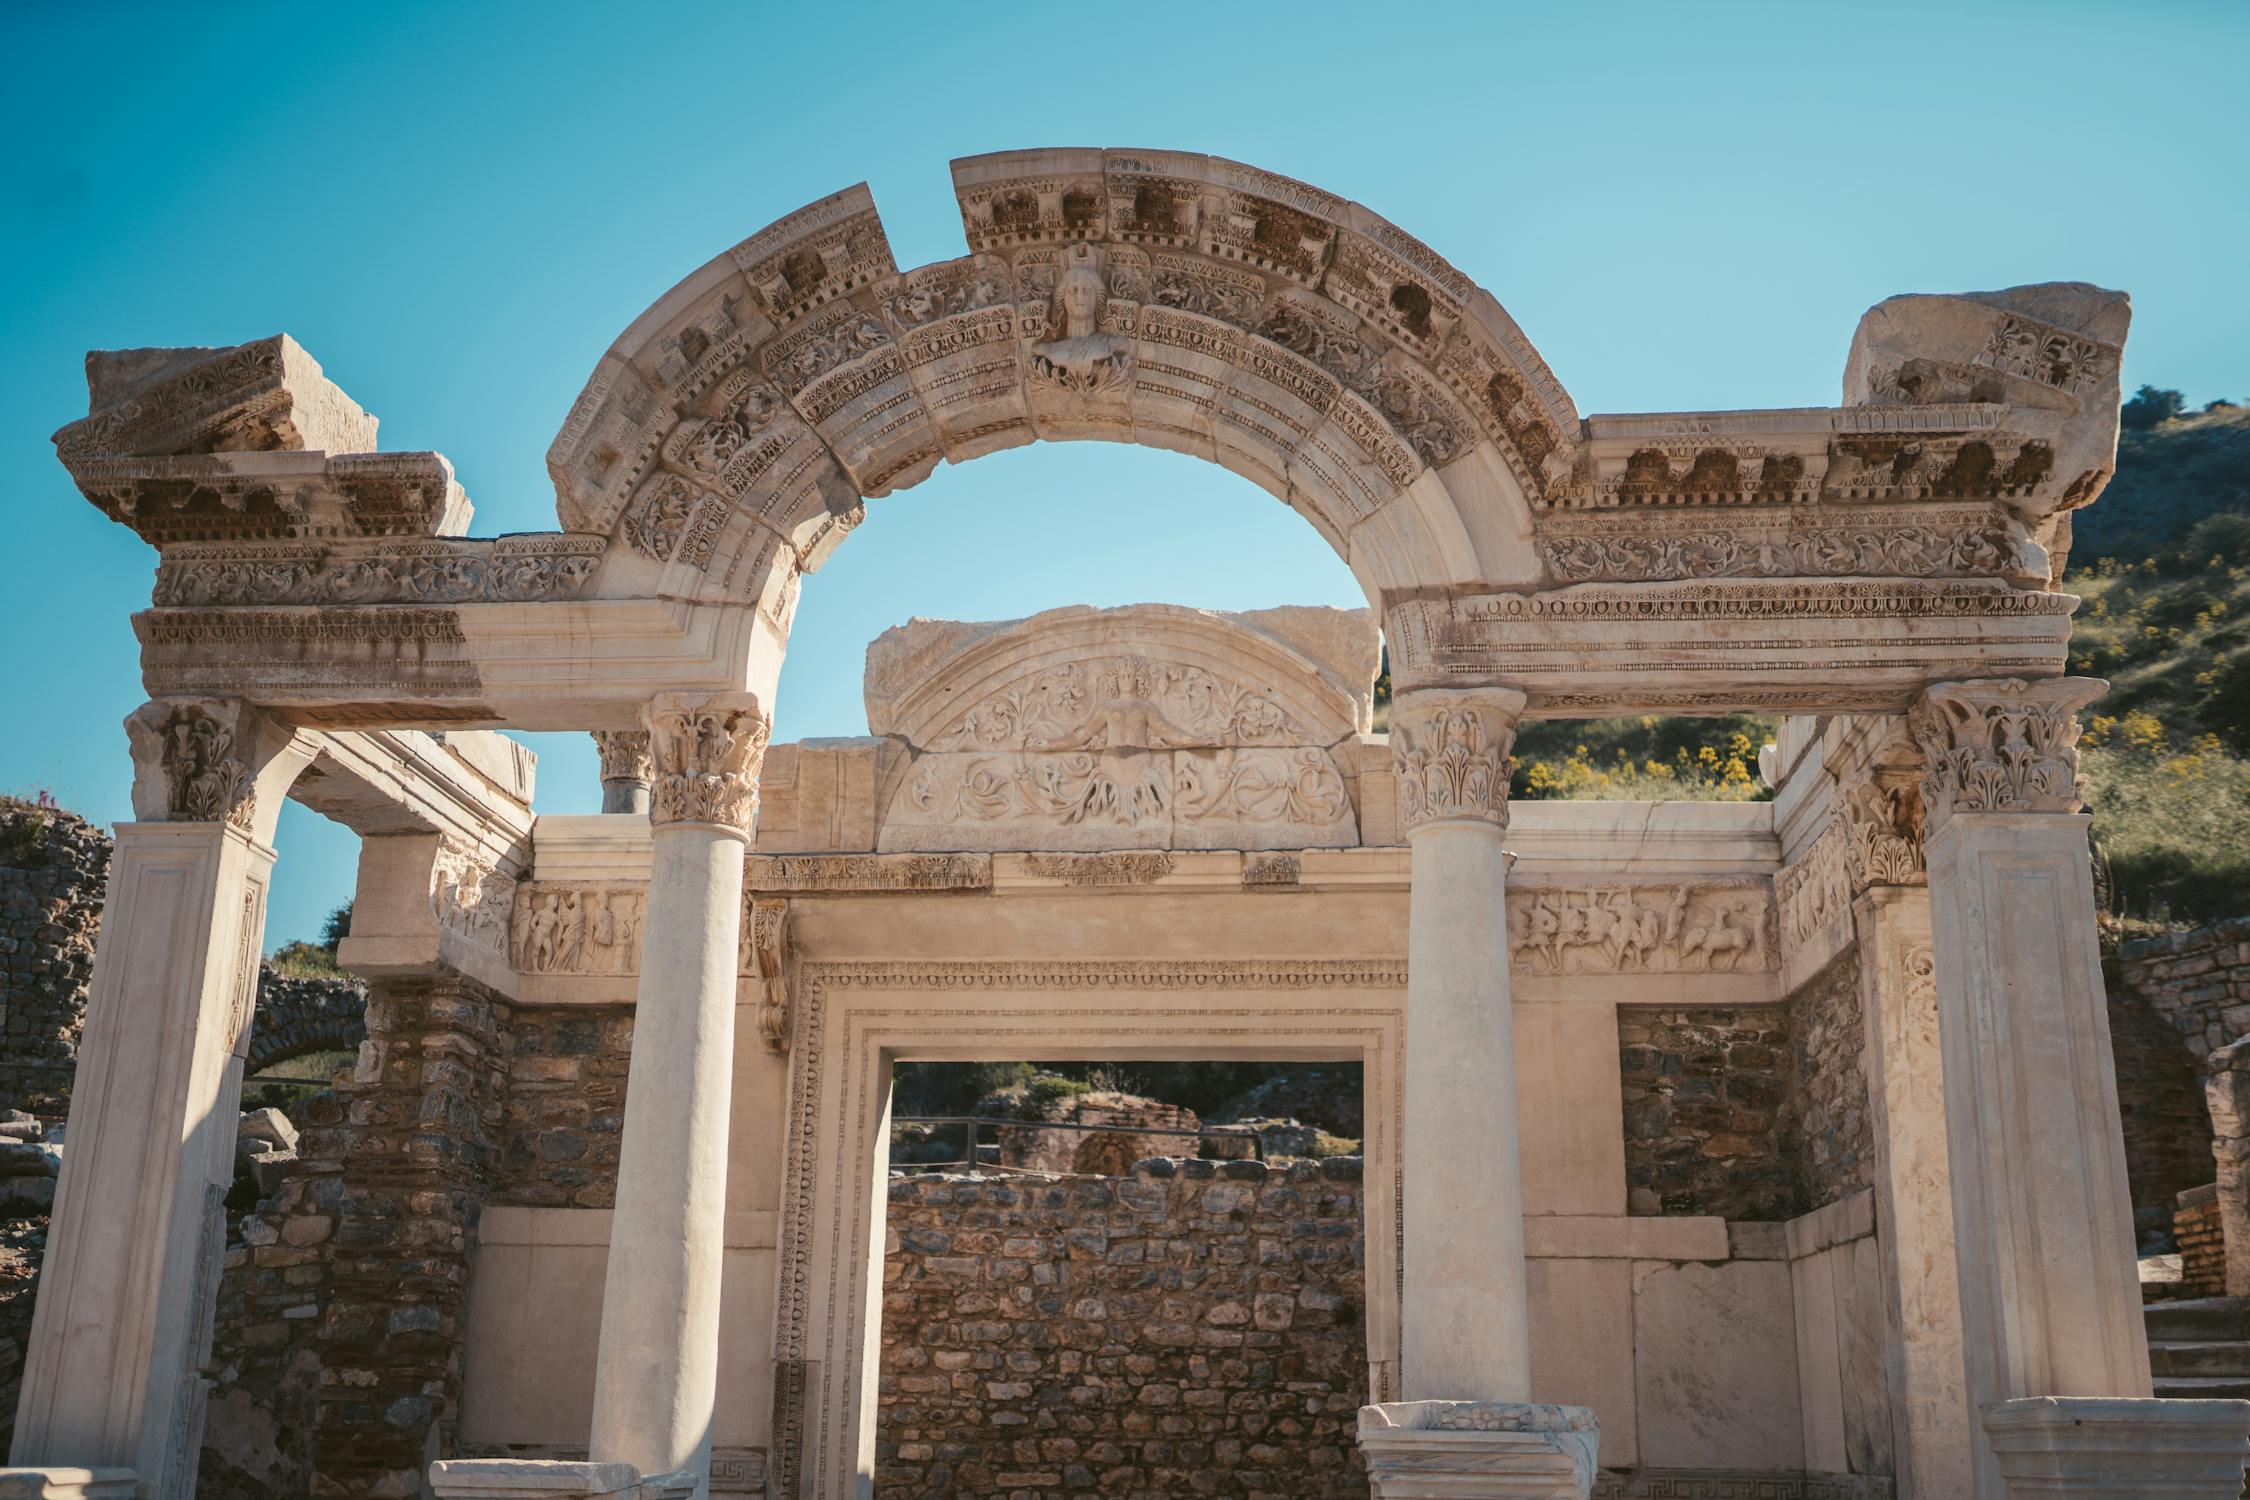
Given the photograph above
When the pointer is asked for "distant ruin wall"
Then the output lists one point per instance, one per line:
(2198, 980)
(1194, 1328)
(54, 868)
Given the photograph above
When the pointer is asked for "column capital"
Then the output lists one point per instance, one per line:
(1450, 747)
(706, 753)
(624, 754)
(1881, 810)
(207, 760)
(2000, 744)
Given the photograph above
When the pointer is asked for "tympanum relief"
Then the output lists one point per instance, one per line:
(1122, 751)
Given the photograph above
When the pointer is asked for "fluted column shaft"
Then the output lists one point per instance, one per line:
(1463, 1319)
(656, 1375)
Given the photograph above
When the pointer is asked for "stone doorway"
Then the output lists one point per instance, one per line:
(857, 1021)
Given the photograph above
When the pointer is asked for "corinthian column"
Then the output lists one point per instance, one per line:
(1462, 1321)
(625, 769)
(1467, 1427)
(656, 1377)
(2043, 1224)
(113, 1374)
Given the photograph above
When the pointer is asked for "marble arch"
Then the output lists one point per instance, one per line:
(1885, 570)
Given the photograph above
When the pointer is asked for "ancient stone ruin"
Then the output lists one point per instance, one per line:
(602, 1208)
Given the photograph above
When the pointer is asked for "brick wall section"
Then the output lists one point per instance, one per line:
(566, 1106)
(2160, 1101)
(1828, 1092)
(54, 869)
(2198, 980)
(2203, 1253)
(340, 1311)
(1193, 1329)
(1706, 1125)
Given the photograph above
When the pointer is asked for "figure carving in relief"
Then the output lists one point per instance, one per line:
(1620, 930)
(1083, 359)
(1721, 937)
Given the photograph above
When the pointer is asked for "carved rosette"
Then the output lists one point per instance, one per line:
(706, 754)
(624, 754)
(1450, 750)
(2001, 744)
(199, 755)
(1881, 810)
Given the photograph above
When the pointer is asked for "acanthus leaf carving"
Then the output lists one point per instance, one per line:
(765, 959)
(706, 757)
(1451, 753)
(1882, 814)
(624, 754)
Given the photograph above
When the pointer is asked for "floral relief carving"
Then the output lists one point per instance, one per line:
(1451, 753)
(1988, 549)
(1260, 786)
(2039, 351)
(1882, 814)
(207, 771)
(1645, 929)
(558, 929)
(706, 758)
(765, 935)
(1120, 701)
(2001, 744)
(441, 571)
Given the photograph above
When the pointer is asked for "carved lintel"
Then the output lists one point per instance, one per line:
(2001, 744)
(706, 754)
(765, 958)
(1451, 749)
(198, 760)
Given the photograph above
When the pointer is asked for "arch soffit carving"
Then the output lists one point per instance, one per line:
(1231, 313)
(923, 678)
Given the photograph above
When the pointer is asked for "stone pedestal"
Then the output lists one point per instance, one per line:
(113, 1371)
(1478, 1450)
(2043, 1224)
(2056, 1448)
(529, 1479)
(1463, 1323)
(656, 1376)
(66, 1484)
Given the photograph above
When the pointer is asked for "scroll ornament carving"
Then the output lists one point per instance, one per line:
(624, 754)
(440, 571)
(1882, 813)
(1834, 551)
(765, 958)
(1451, 754)
(575, 929)
(1627, 929)
(2001, 744)
(1121, 700)
(706, 757)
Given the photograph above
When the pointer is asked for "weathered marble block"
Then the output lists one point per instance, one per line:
(1478, 1450)
(67, 1484)
(2113, 1446)
(531, 1479)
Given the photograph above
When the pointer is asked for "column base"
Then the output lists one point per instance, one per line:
(1478, 1450)
(531, 1479)
(67, 1484)
(2069, 1446)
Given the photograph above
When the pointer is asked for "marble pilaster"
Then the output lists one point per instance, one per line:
(113, 1372)
(2050, 1301)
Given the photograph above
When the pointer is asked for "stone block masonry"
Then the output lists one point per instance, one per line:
(53, 868)
(1192, 1329)
(1706, 1129)
(2198, 980)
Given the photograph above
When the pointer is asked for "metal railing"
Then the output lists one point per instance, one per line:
(973, 1122)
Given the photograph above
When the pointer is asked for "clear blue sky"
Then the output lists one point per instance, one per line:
(457, 207)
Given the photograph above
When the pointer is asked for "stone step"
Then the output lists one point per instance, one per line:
(2201, 1320)
(2203, 1388)
(2229, 1358)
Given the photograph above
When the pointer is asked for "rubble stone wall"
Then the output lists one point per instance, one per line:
(2197, 980)
(1193, 1328)
(54, 870)
(1828, 1094)
(2160, 1103)
(1707, 1128)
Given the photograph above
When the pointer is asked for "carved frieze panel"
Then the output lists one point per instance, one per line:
(868, 872)
(1924, 542)
(1815, 889)
(256, 496)
(821, 252)
(473, 900)
(1121, 700)
(558, 928)
(506, 570)
(1716, 927)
